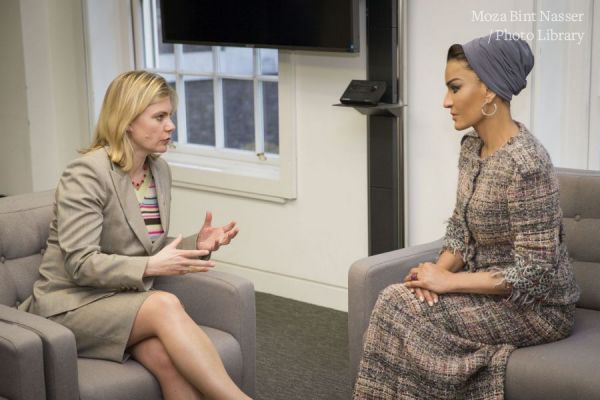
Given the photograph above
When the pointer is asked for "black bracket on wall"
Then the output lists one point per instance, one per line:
(385, 145)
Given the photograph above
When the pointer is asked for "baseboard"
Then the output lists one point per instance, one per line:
(307, 291)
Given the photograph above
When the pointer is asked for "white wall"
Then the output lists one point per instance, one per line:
(43, 68)
(594, 109)
(561, 86)
(559, 116)
(302, 249)
(15, 159)
(109, 51)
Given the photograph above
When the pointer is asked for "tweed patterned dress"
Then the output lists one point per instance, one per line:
(507, 220)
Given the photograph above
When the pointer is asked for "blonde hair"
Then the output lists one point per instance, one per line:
(128, 95)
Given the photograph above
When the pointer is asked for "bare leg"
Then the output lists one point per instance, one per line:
(191, 351)
(153, 355)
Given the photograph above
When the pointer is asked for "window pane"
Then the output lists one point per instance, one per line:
(166, 55)
(235, 61)
(271, 117)
(197, 58)
(238, 109)
(171, 81)
(200, 110)
(268, 62)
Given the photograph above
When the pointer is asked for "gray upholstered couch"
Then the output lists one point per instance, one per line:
(567, 369)
(38, 358)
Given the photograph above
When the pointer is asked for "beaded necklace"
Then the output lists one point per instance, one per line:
(138, 184)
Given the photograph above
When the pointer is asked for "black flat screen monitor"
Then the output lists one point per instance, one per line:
(325, 25)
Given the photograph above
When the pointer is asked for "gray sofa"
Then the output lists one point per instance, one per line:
(38, 358)
(567, 369)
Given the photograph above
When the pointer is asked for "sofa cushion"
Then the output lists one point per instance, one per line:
(582, 236)
(128, 381)
(131, 381)
(587, 275)
(579, 194)
(23, 272)
(559, 370)
(24, 224)
(8, 290)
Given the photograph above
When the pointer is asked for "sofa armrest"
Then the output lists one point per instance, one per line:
(59, 352)
(22, 366)
(367, 278)
(222, 301)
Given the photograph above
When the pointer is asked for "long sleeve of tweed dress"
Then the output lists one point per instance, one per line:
(457, 235)
(454, 238)
(508, 220)
(535, 227)
(535, 222)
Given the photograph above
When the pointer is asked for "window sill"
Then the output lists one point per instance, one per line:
(268, 182)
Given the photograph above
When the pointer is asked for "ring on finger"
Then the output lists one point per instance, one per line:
(413, 276)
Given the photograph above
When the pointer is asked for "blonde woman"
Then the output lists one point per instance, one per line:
(108, 241)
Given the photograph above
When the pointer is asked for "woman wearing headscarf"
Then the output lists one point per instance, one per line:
(503, 278)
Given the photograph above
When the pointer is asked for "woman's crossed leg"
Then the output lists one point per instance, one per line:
(177, 351)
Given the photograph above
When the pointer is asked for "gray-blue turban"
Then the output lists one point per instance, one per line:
(501, 61)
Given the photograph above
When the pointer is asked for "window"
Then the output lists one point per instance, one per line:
(228, 95)
(564, 95)
(227, 118)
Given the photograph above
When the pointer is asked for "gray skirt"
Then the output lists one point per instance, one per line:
(102, 327)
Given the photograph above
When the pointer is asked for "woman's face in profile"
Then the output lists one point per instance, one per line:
(151, 131)
(465, 94)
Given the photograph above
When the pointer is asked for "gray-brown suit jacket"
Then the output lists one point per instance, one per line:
(98, 243)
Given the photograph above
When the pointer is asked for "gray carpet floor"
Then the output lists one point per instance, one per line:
(301, 351)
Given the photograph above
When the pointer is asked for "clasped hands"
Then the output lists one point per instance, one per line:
(173, 261)
(427, 281)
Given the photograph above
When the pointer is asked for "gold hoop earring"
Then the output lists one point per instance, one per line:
(489, 114)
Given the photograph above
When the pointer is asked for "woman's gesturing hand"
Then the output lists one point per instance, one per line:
(173, 261)
(211, 238)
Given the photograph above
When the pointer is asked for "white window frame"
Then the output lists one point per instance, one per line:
(594, 144)
(218, 169)
(568, 128)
